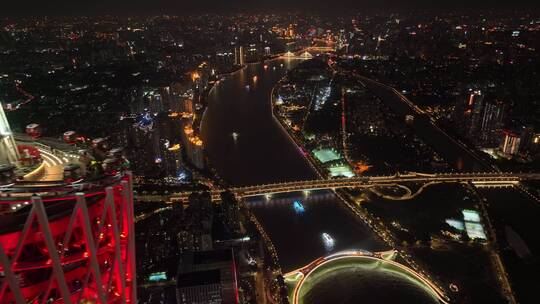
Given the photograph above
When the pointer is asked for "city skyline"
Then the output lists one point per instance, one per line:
(269, 158)
(185, 7)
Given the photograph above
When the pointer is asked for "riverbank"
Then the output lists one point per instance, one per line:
(455, 152)
(292, 136)
(259, 152)
(378, 227)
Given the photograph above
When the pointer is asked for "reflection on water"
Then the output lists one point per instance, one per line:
(298, 236)
(262, 152)
(288, 199)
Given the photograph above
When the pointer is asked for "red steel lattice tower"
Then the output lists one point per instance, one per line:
(74, 247)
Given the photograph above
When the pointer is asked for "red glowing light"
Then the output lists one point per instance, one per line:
(65, 250)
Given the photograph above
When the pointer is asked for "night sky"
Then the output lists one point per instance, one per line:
(84, 7)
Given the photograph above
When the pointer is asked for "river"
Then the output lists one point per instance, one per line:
(456, 154)
(263, 153)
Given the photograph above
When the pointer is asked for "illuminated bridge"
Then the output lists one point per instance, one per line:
(321, 49)
(488, 179)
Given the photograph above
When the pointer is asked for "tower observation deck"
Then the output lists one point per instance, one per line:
(8, 149)
(66, 220)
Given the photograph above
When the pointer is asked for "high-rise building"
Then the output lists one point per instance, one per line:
(492, 122)
(71, 245)
(154, 100)
(195, 230)
(187, 106)
(207, 277)
(239, 55)
(510, 143)
(225, 58)
(8, 148)
(475, 107)
(530, 142)
(202, 287)
(193, 145)
(485, 119)
(229, 210)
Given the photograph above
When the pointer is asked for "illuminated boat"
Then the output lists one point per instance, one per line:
(328, 241)
(298, 207)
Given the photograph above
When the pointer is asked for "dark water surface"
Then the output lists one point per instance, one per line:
(263, 153)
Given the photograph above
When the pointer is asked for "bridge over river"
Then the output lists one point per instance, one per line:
(480, 179)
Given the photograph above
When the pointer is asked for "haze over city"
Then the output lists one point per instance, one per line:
(182, 7)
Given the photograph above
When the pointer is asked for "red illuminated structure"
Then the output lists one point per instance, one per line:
(68, 243)
(34, 130)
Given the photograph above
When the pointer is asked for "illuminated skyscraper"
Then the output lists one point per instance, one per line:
(475, 107)
(486, 118)
(511, 142)
(8, 147)
(193, 145)
(239, 55)
(492, 122)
